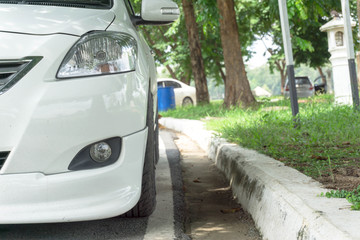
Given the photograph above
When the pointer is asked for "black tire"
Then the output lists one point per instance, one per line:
(187, 102)
(147, 202)
(157, 154)
(320, 91)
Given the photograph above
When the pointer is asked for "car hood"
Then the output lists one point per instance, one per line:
(51, 19)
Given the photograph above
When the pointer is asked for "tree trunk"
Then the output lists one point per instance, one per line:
(283, 75)
(237, 88)
(281, 67)
(322, 75)
(202, 93)
(171, 71)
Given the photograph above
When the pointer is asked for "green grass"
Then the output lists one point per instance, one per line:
(214, 109)
(326, 139)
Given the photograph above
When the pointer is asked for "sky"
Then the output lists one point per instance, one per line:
(258, 58)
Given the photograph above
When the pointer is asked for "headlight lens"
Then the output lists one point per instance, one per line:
(100, 53)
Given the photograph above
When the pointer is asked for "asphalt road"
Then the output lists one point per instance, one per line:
(165, 223)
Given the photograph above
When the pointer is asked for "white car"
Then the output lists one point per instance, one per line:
(77, 109)
(184, 94)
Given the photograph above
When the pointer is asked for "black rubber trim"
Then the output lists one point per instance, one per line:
(136, 20)
(3, 157)
(173, 156)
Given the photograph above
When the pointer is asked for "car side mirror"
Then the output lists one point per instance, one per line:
(158, 12)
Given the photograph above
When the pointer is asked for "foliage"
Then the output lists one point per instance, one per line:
(167, 42)
(216, 91)
(314, 50)
(256, 20)
(208, 22)
(305, 19)
(352, 196)
(261, 76)
(171, 48)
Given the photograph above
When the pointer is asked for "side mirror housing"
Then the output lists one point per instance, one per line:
(158, 12)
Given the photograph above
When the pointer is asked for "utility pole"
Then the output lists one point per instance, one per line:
(289, 58)
(350, 53)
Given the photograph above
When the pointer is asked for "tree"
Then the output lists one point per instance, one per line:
(208, 21)
(202, 94)
(167, 42)
(305, 19)
(358, 54)
(237, 87)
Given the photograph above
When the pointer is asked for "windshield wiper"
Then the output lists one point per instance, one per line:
(90, 3)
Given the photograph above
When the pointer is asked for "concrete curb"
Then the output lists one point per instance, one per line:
(282, 201)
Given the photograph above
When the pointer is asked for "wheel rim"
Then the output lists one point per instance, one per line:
(187, 101)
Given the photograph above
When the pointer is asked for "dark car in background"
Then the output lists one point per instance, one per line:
(320, 85)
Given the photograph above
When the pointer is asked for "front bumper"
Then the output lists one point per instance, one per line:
(75, 196)
(45, 122)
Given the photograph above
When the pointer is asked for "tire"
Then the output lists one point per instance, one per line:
(320, 91)
(147, 202)
(157, 154)
(187, 102)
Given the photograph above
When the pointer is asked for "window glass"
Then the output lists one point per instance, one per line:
(160, 84)
(172, 84)
(102, 4)
(302, 80)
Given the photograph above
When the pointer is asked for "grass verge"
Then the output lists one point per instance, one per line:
(325, 146)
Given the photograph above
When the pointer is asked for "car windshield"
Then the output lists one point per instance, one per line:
(106, 4)
(172, 84)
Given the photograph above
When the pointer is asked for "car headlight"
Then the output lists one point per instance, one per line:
(99, 53)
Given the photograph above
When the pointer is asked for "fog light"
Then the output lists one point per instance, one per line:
(96, 155)
(100, 152)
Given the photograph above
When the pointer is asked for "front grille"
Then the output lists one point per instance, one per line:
(11, 71)
(3, 157)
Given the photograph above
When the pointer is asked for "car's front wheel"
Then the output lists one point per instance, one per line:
(147, 202)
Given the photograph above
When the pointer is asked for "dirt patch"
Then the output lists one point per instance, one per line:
(212, 211)
(342, 178)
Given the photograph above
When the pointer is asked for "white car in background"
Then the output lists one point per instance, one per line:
(184, 94)
(78, 103)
